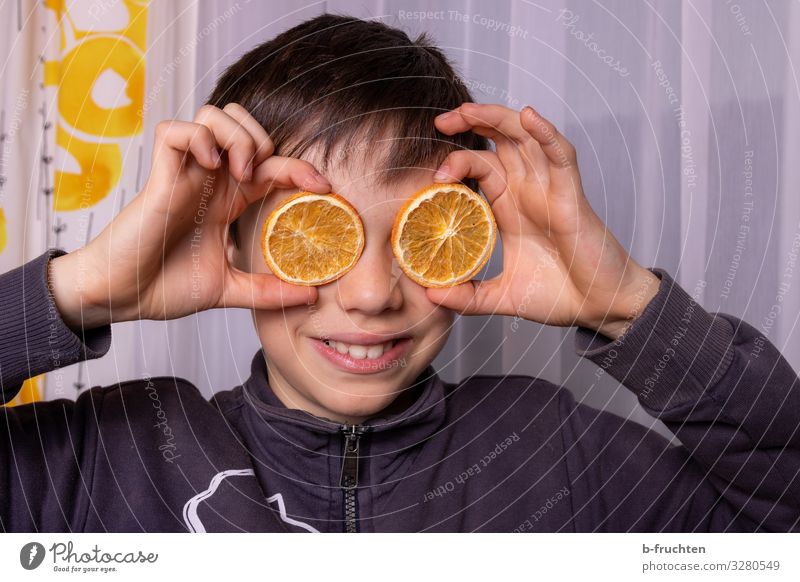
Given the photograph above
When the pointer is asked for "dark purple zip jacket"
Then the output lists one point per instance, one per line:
(490, 453)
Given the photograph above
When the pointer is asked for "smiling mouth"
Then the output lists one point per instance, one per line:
(365, 359)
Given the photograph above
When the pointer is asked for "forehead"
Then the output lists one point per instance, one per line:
(372, 197)
(355, 172)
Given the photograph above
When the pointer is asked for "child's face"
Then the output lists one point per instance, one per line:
(374, 296)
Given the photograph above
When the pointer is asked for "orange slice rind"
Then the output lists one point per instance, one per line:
(444, 235)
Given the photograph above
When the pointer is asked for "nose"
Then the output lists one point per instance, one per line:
(373, 284)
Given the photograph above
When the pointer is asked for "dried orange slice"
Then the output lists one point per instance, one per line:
(312, 239)
(443, 235)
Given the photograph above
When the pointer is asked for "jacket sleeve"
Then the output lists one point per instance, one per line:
(34, 338)
(729, 396)
(47, 449)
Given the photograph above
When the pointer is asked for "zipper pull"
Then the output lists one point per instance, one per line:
(349, 477)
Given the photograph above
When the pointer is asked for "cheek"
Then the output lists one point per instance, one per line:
(433, 314)
(277, 329)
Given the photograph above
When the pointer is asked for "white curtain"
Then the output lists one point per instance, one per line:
(686, 117)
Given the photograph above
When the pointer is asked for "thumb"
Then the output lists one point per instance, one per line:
(264, 291)
(464, 298)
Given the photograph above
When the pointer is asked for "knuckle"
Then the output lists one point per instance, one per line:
(469, 109)
(452, 158)
(233, 106)
(294, 165)
(268, 144)
(162, 128)
(204, 133)
(205, 112)
(196, 131)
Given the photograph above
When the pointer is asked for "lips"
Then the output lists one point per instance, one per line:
(364, 359)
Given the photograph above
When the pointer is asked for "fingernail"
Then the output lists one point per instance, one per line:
(442, 173)
(248, 172)
(444, 116)
(529, 108)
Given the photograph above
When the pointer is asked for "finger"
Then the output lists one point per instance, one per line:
(484, 166)
(184, 136)
(496, 118)
(264, 145)
(559, 151)
(470, 298)
(501, 125)
(279, 172)
(263, 291)
(232, 137)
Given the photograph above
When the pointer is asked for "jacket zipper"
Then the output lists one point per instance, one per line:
(348, 480)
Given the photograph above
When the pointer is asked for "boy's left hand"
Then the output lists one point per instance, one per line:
(561, 265)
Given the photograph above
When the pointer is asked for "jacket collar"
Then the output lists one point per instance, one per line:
(420, 419)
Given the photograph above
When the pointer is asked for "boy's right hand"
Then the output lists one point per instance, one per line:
(167, 254)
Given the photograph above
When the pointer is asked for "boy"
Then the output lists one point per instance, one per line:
(312, 443)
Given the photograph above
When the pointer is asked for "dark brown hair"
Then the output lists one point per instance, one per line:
(333, 80)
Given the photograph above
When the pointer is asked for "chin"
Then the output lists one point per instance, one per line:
(355, 408)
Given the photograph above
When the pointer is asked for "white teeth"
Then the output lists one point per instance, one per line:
(375, 351)
(358, 352)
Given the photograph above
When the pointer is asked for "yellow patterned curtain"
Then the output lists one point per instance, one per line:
(99, 78)
(76, 72)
